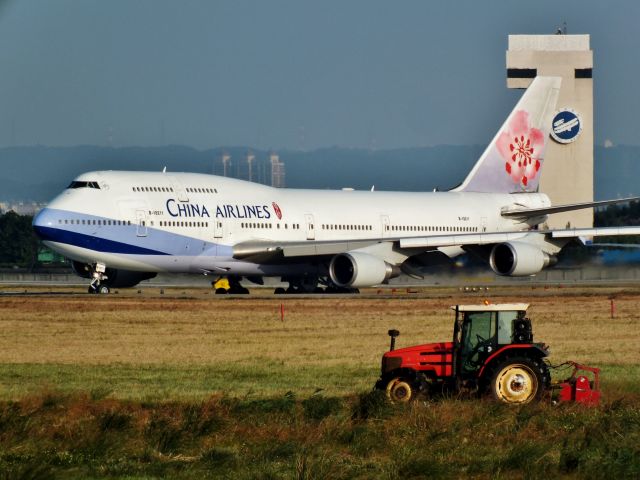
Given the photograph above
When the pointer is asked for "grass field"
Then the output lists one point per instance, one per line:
(186, 384)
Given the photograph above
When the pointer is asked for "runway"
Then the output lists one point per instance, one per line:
(476, 293)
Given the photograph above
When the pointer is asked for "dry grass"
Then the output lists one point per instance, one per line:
(194, 330)
(198, 329)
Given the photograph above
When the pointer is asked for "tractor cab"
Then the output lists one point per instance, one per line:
(482, 330)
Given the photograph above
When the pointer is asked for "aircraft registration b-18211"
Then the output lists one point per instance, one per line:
(120, 228)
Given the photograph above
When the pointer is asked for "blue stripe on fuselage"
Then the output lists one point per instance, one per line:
(120, 238)
(91, 242)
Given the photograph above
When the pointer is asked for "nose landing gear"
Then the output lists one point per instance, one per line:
(97, 277)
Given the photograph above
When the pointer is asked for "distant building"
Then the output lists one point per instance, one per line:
(277, 171)
(266, 170)
(21, 208)
(226, 162)
(568, 173)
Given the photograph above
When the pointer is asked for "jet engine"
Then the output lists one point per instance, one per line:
(115, 278)
(519, 259)
(358, 269)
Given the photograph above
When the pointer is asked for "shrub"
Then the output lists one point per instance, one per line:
(372, 404)
(318, 407)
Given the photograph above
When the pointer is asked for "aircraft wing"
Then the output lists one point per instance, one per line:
(595, 232)
(489, 238)
(263, 251)
(461, 239)
(258, 250)
(537, 212)
(249, 250)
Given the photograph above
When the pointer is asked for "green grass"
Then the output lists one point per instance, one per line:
(358, 436)
(198, 382)
(269, 420)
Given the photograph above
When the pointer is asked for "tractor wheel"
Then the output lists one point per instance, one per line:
(518, 380)
(400, 390)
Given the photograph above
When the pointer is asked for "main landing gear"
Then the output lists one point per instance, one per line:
(97, 277)
(307, 285)
(310, 285)
(230, 284)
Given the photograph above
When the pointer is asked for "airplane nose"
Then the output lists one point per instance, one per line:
(43, 223)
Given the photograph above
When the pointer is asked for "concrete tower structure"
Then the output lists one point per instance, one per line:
(226, 159)
(277, 171)
(567, 176)
(250, 159)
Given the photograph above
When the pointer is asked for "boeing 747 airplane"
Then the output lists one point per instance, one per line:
(119, 228)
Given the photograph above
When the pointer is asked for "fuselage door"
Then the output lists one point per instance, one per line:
(141, 222)
(179, 190)
(217, 228)
(483, 224)
(384, 220)
(311, 232)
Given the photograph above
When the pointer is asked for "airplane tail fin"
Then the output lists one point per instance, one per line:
(513, 160)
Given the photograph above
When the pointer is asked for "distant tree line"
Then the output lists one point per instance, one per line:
(19, 244)
(619, 216)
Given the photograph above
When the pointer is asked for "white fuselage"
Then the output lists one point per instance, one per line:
(187, 222)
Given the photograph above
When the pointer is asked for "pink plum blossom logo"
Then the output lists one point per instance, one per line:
(521, 147)
(276, 209)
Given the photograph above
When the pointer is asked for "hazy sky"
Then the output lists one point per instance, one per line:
(290, 74)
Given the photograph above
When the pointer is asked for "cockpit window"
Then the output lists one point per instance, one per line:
(78, 184)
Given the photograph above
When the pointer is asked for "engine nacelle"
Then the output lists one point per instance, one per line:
(518, 259)
(115, 278)
(358, 269)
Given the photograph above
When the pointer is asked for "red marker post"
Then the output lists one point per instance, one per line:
(282, 312)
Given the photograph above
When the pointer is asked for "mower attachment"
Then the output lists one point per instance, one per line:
(578, 388)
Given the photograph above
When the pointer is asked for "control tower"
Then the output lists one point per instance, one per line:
(567, 176)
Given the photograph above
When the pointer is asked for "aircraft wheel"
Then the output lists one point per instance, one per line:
(103, 289)
(279, 291)
(220, 291)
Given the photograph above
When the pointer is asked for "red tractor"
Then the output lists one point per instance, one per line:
(492, 350)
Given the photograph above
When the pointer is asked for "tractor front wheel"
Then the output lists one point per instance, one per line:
(517, 381)
(400, 390)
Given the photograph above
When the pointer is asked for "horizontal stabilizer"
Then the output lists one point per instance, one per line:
(537, 212)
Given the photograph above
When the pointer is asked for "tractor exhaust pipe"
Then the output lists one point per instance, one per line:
(393, 334)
